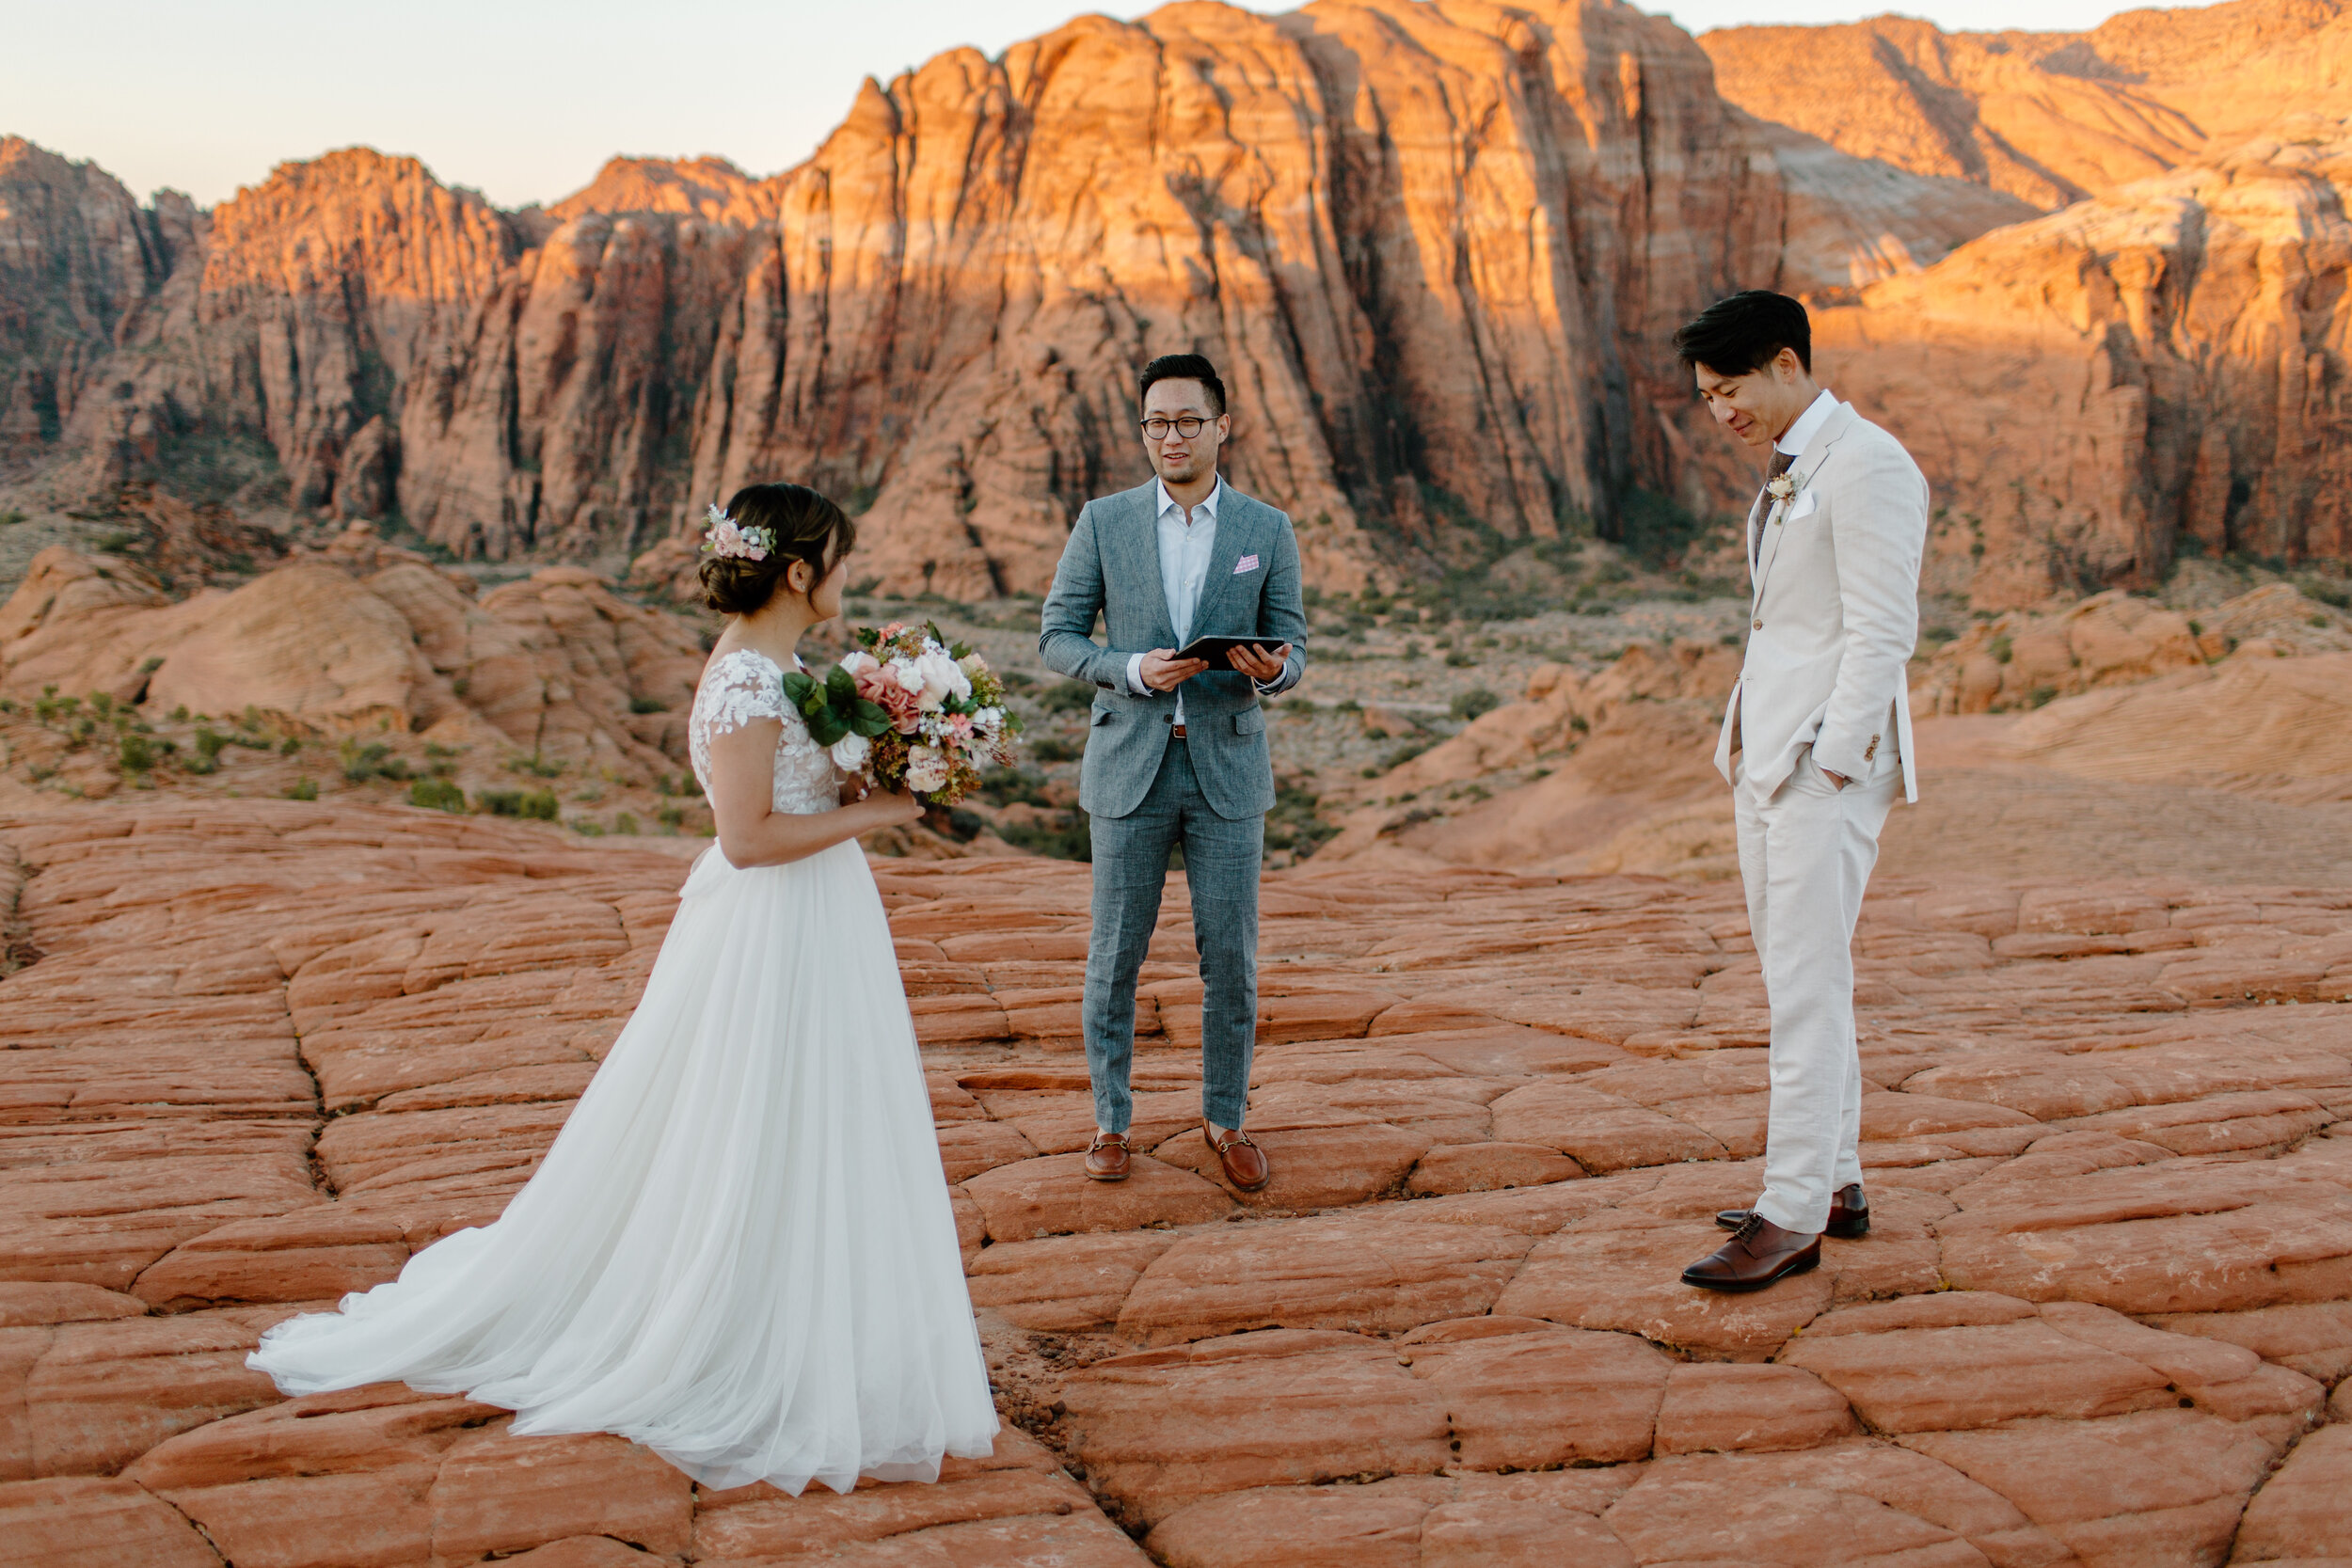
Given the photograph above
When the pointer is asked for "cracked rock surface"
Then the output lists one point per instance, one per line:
(264, 1051)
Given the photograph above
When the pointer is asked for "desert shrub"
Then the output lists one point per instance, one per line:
(1471, 704)
(647, 705)
(135, 753)
(436, 794)
(1052, 748)
(1297, 822)
(1065, 836)
(303, 789)
(539, 803)
(1067, 697)
(372, 761)
(1005, 786)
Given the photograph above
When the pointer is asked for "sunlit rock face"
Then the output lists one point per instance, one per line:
(1438, 253)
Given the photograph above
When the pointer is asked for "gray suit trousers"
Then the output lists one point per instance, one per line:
(1221, 867)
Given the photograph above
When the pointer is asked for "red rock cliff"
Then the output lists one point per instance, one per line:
(1437, 247)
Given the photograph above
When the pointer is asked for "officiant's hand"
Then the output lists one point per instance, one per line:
(1258, 664)
(1164, 672)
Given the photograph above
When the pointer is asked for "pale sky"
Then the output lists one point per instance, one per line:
(523, 100)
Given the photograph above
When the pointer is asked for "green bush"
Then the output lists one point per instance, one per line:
(1066, 837)
(136, 754)
(647, 705)
(436, 794)
(625, 823)
(303, 789)
(1052, 748)
(1003, 786)
(1477, 700)
(539, 803)
(372, 761)
(1067, 697)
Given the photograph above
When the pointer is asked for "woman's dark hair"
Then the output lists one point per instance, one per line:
(805, 526)
(1746, 332)
(1184, 367)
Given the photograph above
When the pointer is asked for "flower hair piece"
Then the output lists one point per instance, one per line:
(728, 541)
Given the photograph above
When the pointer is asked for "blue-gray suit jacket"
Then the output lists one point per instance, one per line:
(1112, 565)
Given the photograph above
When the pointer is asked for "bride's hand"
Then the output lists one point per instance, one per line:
(895, 806)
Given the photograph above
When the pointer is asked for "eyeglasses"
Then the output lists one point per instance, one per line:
(1187, 426)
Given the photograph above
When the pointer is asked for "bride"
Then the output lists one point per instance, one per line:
(739, 1252)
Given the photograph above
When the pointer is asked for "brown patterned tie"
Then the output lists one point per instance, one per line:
(1781, 464)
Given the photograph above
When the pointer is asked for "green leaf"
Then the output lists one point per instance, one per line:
(959, 650)
(869, 719)
(824, 728)
(841, 687)
(797, 687)
(870, 636)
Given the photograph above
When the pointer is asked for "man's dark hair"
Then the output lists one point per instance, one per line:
(1746, 332)
(1184, 367)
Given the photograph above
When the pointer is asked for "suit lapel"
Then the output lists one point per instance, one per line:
(1809, 464)
(1140, 531)
(1236, 531)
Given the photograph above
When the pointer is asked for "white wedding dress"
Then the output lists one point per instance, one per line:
(739, 1252)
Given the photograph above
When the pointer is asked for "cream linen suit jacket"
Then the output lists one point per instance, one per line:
(1834, 611)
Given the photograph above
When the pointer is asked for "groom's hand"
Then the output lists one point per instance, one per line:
(1259, 665)
(1164, 672)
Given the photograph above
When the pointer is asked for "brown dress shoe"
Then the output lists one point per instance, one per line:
(1107, 1157)
(1849, 1214)
(1758, 1253)
(1244, 1162)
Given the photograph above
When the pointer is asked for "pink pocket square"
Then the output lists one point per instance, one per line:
(1246, 563)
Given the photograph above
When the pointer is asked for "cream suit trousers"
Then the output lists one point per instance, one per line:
(1805, 856)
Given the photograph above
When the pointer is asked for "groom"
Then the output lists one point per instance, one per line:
(1816, 743)
(1176, 748)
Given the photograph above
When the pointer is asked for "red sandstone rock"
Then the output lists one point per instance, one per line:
(1749, 1408)
(1364, 1272)
(1156, 1429)
(153, 1050)
(1051, 1196)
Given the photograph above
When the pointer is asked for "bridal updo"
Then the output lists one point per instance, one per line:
(803, 523)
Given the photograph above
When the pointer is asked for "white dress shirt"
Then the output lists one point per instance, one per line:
(1806, 424)
(1187, 539)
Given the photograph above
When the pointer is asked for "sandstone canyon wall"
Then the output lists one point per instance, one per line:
(1437, 247)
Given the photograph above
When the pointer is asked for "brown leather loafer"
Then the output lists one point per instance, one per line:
(1244, 1162)
(1107, 1157)
(1758, 1253)
(1849, 1214)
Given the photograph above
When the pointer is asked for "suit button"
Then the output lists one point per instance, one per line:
(1167, 719)
(1759, 626)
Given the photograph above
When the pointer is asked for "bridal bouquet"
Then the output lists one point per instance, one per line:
(909, 709)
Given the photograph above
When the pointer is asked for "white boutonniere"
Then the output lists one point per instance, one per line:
(1782, 488)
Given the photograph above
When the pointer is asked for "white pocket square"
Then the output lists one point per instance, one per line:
(1246, 563)
(1803, 506)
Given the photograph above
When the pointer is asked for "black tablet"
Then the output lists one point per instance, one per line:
(1213, 649)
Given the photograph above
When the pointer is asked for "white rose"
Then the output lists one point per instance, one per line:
(849, 753)
(927, 768)
(971, 664)
(941, 679)
(861, 662)
(907, 674)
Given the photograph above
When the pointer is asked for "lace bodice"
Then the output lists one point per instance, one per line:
(745, 686)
